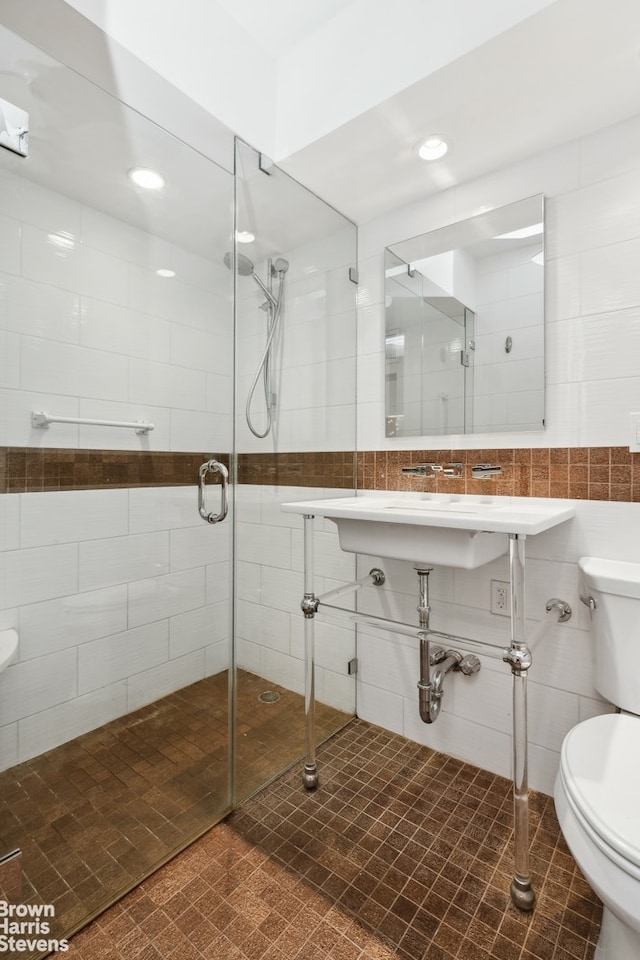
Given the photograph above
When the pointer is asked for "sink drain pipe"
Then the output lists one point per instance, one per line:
(431, 682)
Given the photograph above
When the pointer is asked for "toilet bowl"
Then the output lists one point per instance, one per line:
(597, 797)
(597, 789)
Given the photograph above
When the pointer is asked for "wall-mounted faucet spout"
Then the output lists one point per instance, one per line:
(484, 471)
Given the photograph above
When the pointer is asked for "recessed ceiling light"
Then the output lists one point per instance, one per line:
(146, 178)
(245, 236)
(433, 147)
(164, 272)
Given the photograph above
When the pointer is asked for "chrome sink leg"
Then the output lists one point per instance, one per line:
(518, 657)
(309, 607)
(425, 687)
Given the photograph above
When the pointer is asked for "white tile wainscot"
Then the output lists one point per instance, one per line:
(119, 597)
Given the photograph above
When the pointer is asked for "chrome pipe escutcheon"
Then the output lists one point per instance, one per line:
(213, 466)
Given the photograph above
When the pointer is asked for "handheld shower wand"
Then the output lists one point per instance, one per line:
(245, 268)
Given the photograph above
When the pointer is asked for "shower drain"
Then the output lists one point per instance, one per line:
(269, 696)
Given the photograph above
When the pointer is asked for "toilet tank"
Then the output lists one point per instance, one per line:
(614, 585)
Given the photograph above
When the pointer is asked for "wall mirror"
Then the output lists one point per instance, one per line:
(464, 326)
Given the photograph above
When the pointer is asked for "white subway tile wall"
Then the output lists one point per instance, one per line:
(592, 360)
(270, 588)
(119, 597)
(592, 296)
(315, 350)
(89, 330)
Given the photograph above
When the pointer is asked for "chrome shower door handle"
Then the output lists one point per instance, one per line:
(213, 466)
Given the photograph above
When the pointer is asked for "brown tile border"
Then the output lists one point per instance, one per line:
(580, 473)
(577, 473)
(36, 469)
(320, 469)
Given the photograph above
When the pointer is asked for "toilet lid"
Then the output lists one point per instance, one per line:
(601, 773)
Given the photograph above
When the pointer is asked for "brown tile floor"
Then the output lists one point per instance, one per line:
(401, 852)
(96, 815)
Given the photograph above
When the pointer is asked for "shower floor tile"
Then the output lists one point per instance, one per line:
(97, 814)
(402, 852)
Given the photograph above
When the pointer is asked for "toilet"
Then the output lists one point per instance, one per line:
(597, 790)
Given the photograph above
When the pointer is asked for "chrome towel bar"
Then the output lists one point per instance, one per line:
(42, 420)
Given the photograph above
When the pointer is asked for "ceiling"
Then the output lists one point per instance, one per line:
(279, 25)
(567, 71)
(83, 142)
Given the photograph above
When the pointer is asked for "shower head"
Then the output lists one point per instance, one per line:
(280, 265)
(244, 266)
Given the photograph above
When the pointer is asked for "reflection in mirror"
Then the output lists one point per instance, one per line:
(464, 326)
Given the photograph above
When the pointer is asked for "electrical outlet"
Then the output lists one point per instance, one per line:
(501, 598)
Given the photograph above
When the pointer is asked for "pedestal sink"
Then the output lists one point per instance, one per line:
(431, 530)
(463, 531)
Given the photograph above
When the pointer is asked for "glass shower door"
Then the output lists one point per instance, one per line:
(295, 425)
(116, 384)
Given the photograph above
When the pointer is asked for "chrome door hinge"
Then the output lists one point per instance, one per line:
(464, 358)
(354, 275)
(352, 667)
(265, 163)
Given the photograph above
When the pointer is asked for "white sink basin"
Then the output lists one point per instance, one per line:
(462, 531)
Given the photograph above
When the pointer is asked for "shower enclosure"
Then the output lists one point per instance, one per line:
(158, 677)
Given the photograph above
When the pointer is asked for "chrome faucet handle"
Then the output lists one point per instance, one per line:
(482, 471)
(422, 470)
(429, 470)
